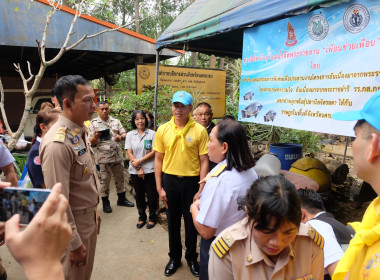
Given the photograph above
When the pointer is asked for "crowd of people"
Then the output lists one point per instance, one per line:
(251, 226)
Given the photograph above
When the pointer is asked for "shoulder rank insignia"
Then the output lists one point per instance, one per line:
(219, 170)
(222, 245)
(60, 135)
(316, 237)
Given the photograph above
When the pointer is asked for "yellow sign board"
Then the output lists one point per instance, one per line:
(209, 85)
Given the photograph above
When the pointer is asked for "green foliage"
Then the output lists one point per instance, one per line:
(123, 104)
(233, 68)
(309, 140)
(231, 107)
(155, 19)
(127, 80)
(155, 15)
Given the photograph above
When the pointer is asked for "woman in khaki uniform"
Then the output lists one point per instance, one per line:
(271, 243)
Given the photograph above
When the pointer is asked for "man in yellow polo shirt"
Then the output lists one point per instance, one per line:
(362, 258)
(181, 160)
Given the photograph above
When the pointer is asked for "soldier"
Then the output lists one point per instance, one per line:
(66, 158)
(106, 133)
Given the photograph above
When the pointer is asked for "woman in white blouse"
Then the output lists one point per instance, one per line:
(139, 146)
(222, 198)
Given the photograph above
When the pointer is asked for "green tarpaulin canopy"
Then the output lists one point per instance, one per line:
(216, 26)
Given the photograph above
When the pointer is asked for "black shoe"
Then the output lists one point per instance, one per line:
(149, 226)
(123, 201)
(194, 267)
(107, 209)
(172, 267)
(140, 225)
(106, 205)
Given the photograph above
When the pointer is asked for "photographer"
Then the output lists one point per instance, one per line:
(109, 154)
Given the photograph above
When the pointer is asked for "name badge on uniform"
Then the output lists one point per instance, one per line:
(81, 152)
(147, 145)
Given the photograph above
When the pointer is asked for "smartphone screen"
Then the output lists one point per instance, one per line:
(23, 201)
(105, 134)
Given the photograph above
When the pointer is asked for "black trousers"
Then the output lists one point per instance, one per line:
(146, 186)
(203, 266)
(180, 193)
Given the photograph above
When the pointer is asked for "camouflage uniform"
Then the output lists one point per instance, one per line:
(109, 154)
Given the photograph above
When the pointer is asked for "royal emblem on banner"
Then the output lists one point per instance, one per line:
(291, 40)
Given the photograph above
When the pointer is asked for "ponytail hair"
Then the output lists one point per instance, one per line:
(44, 117)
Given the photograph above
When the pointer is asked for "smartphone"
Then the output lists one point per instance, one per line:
(105, 134)
(23, 201)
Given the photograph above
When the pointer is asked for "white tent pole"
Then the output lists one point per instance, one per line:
(156, 87)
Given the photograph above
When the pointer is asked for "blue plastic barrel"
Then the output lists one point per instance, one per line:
(287, 153)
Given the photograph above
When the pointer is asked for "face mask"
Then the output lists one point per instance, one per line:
(149, 123)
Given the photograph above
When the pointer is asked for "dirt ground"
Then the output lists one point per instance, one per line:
(340, 199)
(124, 252)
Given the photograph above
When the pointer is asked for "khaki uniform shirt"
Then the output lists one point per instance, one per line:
(107, 150)
(240, 258)
(66, 158)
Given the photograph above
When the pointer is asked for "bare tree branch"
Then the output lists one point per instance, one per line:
(5, 119)
(41, 50)
(84, 37)
(55, 6)
(30, 73)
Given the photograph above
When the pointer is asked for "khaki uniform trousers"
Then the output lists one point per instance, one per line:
(87, 228)
(106, 169)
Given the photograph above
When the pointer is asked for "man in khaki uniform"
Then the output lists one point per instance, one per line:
(235, 255)
(109, 154)
(66, 158)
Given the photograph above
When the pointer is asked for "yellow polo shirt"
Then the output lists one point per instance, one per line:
(362, 260)
(181, 161)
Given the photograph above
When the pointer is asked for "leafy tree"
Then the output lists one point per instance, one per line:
(156, 17)
(123, 104)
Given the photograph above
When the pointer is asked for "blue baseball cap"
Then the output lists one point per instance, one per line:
(183, 97)
(370, 112)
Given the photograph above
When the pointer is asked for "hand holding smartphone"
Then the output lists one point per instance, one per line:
(105, 134)
(23, 201)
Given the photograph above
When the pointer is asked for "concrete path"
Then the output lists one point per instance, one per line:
(123, 251)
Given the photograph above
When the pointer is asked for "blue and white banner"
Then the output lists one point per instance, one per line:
(298, 71)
